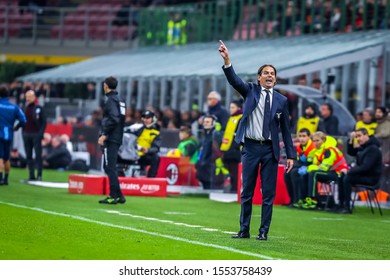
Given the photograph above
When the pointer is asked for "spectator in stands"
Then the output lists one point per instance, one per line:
(66, 140)
(170, 118)
(33, 134)
(210, 155)
(302, 81)
(17, 160)
(149, 143)
(9, 114)
(383, 120)
(296, 179)
(46, 144)
(309, 120)
(330, 122)
(383, 131)
(231, 150)
(188, 146)
(368, 168)
(317, 84)
(176, 30)
(327, 165)
(215, 108)
(59, 156)
(368, 122)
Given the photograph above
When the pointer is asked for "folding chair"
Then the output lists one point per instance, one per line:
(370, 200)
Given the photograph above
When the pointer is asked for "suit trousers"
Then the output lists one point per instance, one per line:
(110, 155)
(32, 141)
(253, 155)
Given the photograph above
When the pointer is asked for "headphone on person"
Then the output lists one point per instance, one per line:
(213, 117)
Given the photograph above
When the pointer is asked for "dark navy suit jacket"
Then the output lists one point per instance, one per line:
(279, 113)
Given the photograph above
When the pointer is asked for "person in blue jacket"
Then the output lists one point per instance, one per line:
(9, 114)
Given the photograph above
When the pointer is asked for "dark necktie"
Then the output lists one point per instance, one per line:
(267, 115)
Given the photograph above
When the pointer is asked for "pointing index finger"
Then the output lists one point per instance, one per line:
(222, 43)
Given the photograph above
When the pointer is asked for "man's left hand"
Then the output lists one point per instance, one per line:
(289, 165)
(101, 140)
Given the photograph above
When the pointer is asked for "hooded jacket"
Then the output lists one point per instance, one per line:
(368, 160)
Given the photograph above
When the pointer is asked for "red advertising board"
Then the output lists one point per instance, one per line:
(178, 171)
(281, 196)
(86, 184)
(142, 186)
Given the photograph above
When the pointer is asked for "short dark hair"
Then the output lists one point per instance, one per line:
(238, 103)
(304, 130)
(316, 81)
(111, 82)
(330, 107)
(4, 92)
(262, 68)
(363, 130)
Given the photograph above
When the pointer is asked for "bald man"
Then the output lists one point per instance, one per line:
(33, 135)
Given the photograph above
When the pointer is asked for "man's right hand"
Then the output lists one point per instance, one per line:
(224, 52)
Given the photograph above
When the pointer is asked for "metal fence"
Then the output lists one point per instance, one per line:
(203, 22)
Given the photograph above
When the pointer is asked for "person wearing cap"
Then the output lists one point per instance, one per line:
(148, 143)
(111, 138)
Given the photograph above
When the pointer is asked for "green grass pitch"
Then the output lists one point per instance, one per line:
(39, 223)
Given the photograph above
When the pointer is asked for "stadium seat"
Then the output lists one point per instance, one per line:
(370, 196)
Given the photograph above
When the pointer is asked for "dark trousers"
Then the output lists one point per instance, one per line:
(254, 154)
(349, 181)
(33, 142)
(320, 176)
(150, 159)
(110, 156)
(292, 180)
(232, 166)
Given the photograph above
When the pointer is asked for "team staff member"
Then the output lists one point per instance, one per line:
(111, 138)
(296, 180)
(33, 135)
(148, 143)
(265, 111)
(9, 113)
(231, 150)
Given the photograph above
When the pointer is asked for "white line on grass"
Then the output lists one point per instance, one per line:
(173, 222)
(233, 250)
(328, 219)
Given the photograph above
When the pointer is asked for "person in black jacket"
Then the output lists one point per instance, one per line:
(111, 138)
(58, 156)
(33, 135)
(368, 168)
(330, 122)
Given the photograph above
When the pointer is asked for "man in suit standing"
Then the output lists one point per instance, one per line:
(265, 111)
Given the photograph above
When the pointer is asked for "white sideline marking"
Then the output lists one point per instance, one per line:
(329, 219)
(178, 213)
(174, 223)
(342, 240)
(229, 249)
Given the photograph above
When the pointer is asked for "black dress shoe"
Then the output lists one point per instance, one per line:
(241, 234)
(262, 236)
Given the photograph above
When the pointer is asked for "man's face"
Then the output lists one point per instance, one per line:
(361, 138)
(211, 101)
(378, 114)
(30, 96)
(267, 77)
(366, 117)
(207, 123)
(325, 112)
(309, 111)
(303, 138)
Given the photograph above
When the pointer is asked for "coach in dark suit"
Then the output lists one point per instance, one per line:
(265, 111)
